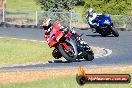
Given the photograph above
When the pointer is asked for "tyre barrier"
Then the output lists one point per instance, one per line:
(3, 24)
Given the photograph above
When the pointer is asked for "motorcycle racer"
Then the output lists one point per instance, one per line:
(48, 25)
(92, 17)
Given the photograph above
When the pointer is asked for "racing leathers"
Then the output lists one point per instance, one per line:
(92, 21)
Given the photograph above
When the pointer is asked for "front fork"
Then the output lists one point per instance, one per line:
(73, 43)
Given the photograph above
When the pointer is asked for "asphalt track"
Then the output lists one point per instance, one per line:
(121, 48)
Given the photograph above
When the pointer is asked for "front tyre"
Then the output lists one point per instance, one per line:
(114, 32)
(90, 56)
(68, 57)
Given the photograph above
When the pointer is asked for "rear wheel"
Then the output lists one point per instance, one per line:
(68, 55)
(105, 32)
(104, 35)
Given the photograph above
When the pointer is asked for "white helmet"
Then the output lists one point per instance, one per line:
(47, 23)
(90, 11)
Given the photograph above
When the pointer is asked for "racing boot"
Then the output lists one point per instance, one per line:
(93, 30)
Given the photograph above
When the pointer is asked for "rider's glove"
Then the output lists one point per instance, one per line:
(95, 24)
(73, 32)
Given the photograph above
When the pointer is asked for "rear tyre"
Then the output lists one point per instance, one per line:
(104, 35)
(114, 32)
(64, 54)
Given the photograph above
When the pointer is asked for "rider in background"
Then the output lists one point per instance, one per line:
(92, 19)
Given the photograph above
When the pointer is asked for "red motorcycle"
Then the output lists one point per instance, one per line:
(67, 45)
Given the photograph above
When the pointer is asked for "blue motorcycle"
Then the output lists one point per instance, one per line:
(105, 26)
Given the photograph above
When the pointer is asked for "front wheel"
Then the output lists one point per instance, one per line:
(69, 56)
(90, 56)
(114, 32)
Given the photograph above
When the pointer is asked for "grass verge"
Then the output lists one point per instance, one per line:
(21, 52)
(60, 78)
(22, 5)
(64, 82)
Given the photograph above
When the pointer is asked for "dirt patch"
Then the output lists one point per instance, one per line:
(27, 76)
(122, 69)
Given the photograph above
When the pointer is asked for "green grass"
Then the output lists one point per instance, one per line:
(22, 5)
(18, 52)
(61, 82)
(31, 5)
(78, 9)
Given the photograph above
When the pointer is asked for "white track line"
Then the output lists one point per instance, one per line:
(108, 52)
(23, 39)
